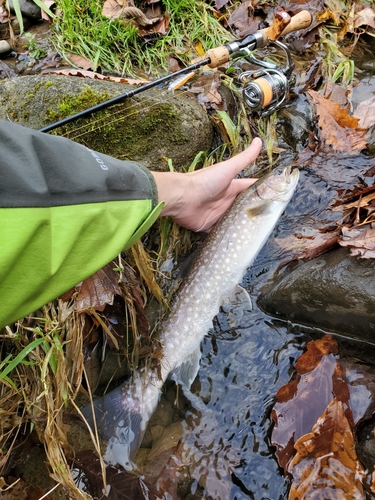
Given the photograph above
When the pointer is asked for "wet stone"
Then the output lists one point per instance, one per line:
(28, 8)
(335, 292)
(5, 48)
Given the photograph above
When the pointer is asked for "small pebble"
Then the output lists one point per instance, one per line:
(5, 48)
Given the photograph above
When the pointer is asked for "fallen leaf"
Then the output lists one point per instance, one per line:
(360, 240)
(79, 61)
(338, 94)
(98, 290)
(308, 244)
(121, 485)
(48, 4)
(242, 20)
(361, 383)
(111, 9)
(337, 128)
(365, 17)
(334, 10)
(96, 76)
(6, 71)
(365, 112)
(18, 489)
(301, 402)
(326, 463)
(219, 4)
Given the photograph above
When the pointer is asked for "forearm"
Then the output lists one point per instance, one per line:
(65, 212)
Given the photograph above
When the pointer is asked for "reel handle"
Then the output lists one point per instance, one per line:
(283, 25)
(300, 21)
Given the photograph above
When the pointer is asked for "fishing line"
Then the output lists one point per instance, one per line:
(138, 107)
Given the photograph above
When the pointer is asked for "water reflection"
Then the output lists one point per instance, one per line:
(242, 368)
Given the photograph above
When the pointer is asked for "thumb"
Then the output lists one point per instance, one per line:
(237, 163)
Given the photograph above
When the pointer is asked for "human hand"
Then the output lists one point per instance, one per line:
(197, 200)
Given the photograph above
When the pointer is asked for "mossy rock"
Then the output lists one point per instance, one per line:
(151, 127)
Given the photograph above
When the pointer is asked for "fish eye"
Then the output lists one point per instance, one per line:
(278, 171)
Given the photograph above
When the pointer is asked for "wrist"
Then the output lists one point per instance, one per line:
(171, 188)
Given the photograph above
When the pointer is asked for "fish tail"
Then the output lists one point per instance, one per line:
(119, 419)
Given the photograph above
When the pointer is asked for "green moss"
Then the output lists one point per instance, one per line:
(51, 115)
(125, 129)
(86, 99)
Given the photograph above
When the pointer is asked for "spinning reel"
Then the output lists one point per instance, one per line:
(266, 90)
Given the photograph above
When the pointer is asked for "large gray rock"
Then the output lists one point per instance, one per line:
(28, 8)
(151, 127)
(335, 292)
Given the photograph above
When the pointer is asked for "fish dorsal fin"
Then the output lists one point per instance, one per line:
(188, 369)
(234, 303)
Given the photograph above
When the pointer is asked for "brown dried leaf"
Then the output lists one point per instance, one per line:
(338, 128)
(95, 76)
(361, 240)
(310, 244)
(299, 404)
(311, 359)
(333, 11)
(18, 489)
(326, 461)
(365, 17)
(159, 28)
(79, 61)
(242, 20)
(98, 290)
(338, 94)
(111, 9)
(122, 485)
(365, 112)
(48, 4)
(206, 88)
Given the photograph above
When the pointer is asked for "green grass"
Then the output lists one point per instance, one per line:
(116, 46)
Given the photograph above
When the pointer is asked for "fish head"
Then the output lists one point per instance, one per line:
(279, 185)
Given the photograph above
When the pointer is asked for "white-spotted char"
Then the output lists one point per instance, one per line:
(229, 250)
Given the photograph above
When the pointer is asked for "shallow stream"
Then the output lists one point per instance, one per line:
(242, 369)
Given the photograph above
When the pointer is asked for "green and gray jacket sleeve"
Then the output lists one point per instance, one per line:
(65, 212)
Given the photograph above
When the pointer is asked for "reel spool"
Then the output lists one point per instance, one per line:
(266, 90)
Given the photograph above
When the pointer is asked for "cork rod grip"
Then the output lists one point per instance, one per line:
(300, 21)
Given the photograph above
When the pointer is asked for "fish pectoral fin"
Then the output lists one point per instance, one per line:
(261, 207)
(235, 303)
(188, 369)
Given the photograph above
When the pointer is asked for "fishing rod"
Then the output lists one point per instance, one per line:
(267, 88)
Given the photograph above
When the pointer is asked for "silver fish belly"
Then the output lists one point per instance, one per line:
(122, 415)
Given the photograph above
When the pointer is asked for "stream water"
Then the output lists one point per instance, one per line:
(242, 368)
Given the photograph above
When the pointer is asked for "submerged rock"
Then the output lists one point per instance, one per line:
(151, 127)
(334, 292)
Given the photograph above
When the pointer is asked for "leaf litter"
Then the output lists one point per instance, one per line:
(316, 416)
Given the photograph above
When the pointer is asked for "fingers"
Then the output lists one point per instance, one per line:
(243, 159)
(239, 185)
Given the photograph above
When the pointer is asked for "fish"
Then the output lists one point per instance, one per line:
(121, 416)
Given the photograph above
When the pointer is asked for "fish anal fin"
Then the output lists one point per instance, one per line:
(188, 369)
(234, 303)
